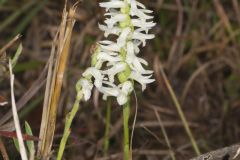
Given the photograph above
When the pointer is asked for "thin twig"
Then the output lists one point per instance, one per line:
(3, 150)
(134, 122)
(9, 44)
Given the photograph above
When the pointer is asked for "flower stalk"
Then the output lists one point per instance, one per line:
(107, 127)
(126, 113)
(115, 64)
(69, 120)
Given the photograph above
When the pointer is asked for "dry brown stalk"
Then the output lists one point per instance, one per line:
(3, 150)
(223, 16)
(54, 83)
(9, 44)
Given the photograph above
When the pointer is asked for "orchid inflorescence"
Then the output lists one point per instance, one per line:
(115, 64)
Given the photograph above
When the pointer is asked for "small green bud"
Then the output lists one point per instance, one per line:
(123, 54)
(79, 95)
(94, 59)
(126, 23)
(125, 10)
(123, 76)
(94, 50)
(78, 85)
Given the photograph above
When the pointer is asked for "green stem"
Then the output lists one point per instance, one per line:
(68, 123)
(180, 112)
(126, 113)
(108, 121)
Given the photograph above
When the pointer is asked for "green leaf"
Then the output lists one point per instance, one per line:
(15, 140)
(30, 144)
(16, 56)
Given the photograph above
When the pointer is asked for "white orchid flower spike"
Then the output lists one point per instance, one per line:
(115, 65)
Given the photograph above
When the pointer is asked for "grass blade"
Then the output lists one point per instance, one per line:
(15, 117)
(30, 144)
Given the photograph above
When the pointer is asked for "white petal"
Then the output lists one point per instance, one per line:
(127, 87)
(107, 31)
(138, 66)
(130, 53)
(121, 41)
(139, 12)
(142, 24)
(110, 47)
(113, 20)
(96, 74)
(122, 99)
(142, 37)
(106, 57)
(146, 11)
(117, 68)
(86, 88)
(140, 5)
(109, 90)
(143, 80)
(112, 4)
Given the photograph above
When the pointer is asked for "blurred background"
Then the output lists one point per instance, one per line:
(197, 44)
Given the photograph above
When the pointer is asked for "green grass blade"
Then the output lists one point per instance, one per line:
(30, 144)
(15, 140)
(16, 56)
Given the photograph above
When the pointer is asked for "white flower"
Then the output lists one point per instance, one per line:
(86, 88)
(121, 41)
(126, 89)
(96, 74)
(135, 11)
(108, 31)
(103, 56)
(142, 37)
(142, 79)
(121, 92)
(112, 4)
(145, 26)
(109, 89)
(109, 46)
(116, 63)
(114, 19)
(117, 68)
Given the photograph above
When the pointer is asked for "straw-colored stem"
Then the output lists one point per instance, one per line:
(3, 150)
(126, 113)
(55, 86)
(22, 148)
(68, 123)
(107, 127)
